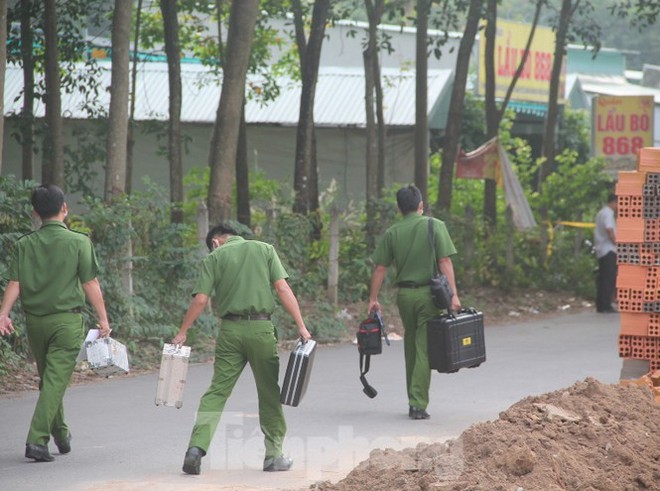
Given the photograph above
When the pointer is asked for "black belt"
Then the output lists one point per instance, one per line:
(252, 317)
(409, 284)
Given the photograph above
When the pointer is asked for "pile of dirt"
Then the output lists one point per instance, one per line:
(588, 437)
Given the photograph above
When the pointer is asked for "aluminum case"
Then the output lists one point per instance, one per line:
(172, 375)
(107, 356)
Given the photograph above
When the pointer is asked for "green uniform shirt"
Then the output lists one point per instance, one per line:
(50, 266)
(406, 244)
(239, 275)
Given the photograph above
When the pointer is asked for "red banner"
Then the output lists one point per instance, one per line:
(482, 163)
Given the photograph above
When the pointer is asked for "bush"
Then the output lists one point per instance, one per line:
(165, 257)
(15, 221)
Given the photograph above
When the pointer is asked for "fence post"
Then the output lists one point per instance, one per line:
(578, 238)
(509, 243)
(544, 238)
(468, 247)
(202, 223)
(333, 259)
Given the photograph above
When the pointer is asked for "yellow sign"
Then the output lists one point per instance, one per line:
(621, 125)
(534, 82)
(467, 341)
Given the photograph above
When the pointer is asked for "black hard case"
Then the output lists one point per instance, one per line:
(297, 374)
(456, 341)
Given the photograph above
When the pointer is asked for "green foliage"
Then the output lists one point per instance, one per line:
(572, 193)
(165, 257)
(15, 221)
(574, 133)
(9, 358)
(164, 264)
(88, 148)
(575, 190)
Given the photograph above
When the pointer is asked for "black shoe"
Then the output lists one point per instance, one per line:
(417, 413)
(274, 464)
(39, 453)
(192, 463)
(64, 446)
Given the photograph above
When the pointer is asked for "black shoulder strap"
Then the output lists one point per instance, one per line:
(368, 390)
(364, 364)
(432, 244)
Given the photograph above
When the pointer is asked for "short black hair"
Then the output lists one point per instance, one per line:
(611, 197)
(47, 200)
(408, 198)
(224, 228)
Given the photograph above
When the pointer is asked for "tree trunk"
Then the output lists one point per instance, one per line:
(371, 191)
(27, 114)
(452, 138)
(492, 113)
(421, 102)
(567, 9)
(243, 212)
(380, 113)
(131, 112)
(523, 59)
(173, 52)
(373, 154)
(242, 175)
(224, 143)
(3, 64)
(115, 172)
(310, 54)
(53, 151)
(382, 129)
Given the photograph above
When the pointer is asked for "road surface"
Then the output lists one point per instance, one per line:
(122, 441)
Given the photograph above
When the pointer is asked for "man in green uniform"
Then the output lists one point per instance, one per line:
(406, 245)
(52, 271)
(238, 274)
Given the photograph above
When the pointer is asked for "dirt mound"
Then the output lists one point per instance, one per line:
(588, 437)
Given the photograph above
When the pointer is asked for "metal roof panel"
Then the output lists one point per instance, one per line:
(339, 95)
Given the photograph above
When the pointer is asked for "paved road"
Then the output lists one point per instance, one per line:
(122, 441)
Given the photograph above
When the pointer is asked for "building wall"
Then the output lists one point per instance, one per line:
(271, 149)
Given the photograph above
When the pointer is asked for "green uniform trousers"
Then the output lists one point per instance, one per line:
(416, 309)
(55, 341)
(238, 343)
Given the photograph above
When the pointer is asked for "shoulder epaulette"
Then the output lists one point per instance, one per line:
(25, 235)
(79, 232)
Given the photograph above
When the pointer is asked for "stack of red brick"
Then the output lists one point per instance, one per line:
(638, 255)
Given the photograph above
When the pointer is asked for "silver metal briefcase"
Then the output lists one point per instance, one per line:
(172, 375)
(107, 356)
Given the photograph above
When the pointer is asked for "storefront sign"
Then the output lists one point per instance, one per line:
(621, 125)
(510, 42)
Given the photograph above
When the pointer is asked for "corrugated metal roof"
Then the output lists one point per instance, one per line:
(339, 96)
(614, 85)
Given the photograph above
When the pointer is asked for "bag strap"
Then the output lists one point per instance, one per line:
(368, 390)
(432, 244)
(379, 318)
(364, 364)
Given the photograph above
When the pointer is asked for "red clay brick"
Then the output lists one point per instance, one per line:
(635, 324)
(630, 230)
(631, 276)
(648, 160)
(630, 183)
